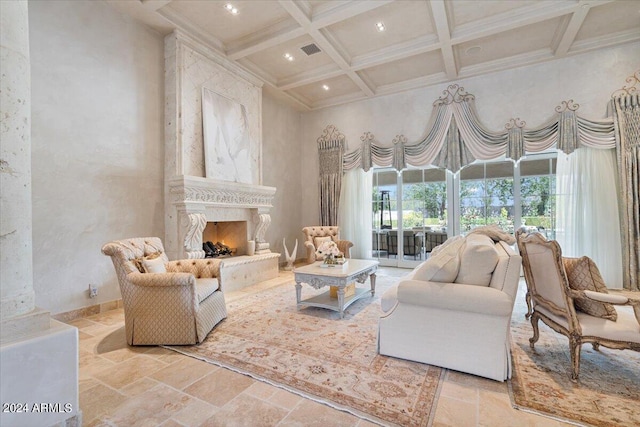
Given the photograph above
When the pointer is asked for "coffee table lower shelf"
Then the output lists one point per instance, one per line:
(325, 301)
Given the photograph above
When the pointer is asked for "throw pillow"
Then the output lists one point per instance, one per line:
(583, 274)
(317, 241)
(154, 265)
(442, 267)
(495, 233)
(478, 259)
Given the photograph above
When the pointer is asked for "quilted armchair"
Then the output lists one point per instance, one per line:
(569, 295)
(454, 309)
(178, 304)
(314, 236)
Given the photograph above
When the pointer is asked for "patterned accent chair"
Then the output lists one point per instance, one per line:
(315, 235)
(178, 307)
(573, 303)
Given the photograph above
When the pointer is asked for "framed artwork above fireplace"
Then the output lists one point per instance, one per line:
(230, 153)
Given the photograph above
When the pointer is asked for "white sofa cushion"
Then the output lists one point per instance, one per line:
(626, 328)
(455, 297)
(478, 259)
(442, 267)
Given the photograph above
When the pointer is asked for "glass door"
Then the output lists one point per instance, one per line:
(424, 213)
(409, 215)
(384, 216)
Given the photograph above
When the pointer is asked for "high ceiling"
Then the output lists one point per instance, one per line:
(425, 42)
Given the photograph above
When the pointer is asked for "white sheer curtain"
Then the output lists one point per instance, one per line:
(354, 212)
(587, 210)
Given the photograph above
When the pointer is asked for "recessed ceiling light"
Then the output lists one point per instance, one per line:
(380, 26)
(231, 9)
(325, 87)
(288, 57)
(473, 50)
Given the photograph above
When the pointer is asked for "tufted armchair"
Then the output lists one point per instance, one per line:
(315, 235)
(178, 306)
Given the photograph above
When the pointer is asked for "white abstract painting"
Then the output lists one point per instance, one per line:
(228, 148)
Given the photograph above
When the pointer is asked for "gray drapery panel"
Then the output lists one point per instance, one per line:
(515, 143)
(399, 162)
(330, 152)
(454, 153)
(626, 116)
(456, 145)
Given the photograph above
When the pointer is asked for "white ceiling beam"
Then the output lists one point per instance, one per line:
(615, 39)
(301, 17)
(511, 20)
(261, 40)
(439, 12)
(395, 52)
(572, 30)
(345, 11)
(412, 84)
(311, 76)
(501, 64)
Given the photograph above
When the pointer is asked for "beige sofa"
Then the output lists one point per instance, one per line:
(454, 309)
(179, 306)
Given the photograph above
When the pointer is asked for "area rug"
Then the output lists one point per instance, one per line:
(608, 393)
(314, 353)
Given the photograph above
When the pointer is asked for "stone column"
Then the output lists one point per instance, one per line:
(38, 355)
(16, 272)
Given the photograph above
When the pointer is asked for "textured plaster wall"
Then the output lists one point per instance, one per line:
(198, 71)
(97, 137)
(530, 93)
(283, 164)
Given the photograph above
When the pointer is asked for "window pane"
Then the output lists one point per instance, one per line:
(486, 196)
(537, 190)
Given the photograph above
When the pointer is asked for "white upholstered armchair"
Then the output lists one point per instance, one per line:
(175, 302)
(314, 236)
(454, 309)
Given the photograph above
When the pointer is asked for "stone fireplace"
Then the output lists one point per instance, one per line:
(204, 209)
(197, 197)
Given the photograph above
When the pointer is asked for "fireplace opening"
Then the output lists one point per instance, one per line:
(228, 238)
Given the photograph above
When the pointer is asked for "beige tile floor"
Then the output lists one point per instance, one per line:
(151, 386)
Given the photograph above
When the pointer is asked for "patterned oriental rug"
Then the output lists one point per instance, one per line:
(608, 393)
(314, 353)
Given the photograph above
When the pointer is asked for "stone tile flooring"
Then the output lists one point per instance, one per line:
(152, 386)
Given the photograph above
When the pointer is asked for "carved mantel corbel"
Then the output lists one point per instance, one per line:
(195, 225)
(263, 221)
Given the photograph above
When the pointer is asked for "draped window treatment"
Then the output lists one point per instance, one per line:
(456, 137)
(626, 114)
(330, 150)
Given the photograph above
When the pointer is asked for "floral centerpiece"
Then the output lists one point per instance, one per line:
(330, 253)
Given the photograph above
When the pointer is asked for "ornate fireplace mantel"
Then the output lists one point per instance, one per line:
(198, 200)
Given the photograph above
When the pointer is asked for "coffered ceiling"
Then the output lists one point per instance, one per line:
(425, 42)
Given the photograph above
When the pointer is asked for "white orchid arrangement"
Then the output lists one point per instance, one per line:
(328, 249)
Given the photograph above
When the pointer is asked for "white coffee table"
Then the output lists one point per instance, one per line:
(355, 270)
